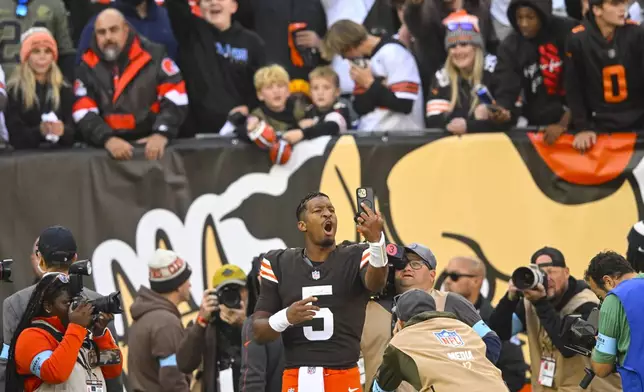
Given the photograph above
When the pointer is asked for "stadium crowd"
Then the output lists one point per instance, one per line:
(277, 72)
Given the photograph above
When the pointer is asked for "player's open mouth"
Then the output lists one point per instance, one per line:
(328, 227)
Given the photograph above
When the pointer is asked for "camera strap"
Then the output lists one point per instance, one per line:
(87, 344)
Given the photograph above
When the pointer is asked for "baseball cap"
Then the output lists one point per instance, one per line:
(413, 302)
(228, 274)
(424, 253)
(557, 257)
(57, 245)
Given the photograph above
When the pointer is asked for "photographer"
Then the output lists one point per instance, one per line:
(553, 366)
(424, 331)
(54, 252)
(620, 340)
(415, 268)
(51, 349)
(262, 364)
(214, 340)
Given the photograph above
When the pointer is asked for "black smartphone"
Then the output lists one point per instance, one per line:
(365, 195)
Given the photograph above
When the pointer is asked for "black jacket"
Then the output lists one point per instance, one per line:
(24, 125)
(591, 62)
(534, 66)
(501, 319)
(218, 66)
(261, 364)
(272, 20)
(511, 361)
(424, 21)
(437, 113)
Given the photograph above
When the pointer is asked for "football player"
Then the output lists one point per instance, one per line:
(316, 297)
(604, 80)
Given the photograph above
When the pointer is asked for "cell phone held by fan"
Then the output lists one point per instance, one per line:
(366, 196)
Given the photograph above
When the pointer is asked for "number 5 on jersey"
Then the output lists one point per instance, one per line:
(324, 313)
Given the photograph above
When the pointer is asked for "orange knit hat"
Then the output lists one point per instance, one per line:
(35, 37)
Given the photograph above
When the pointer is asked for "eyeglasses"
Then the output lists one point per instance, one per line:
(21, 8)
(64, 278)
(414, 264)
(452, 26)
(455, 276)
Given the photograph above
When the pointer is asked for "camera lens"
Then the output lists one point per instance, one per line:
(110, 304)
(524, 278)
(230, 297)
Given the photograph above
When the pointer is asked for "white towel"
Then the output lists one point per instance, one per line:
(310, 379)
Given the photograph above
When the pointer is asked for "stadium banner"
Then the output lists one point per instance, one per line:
(496, 196)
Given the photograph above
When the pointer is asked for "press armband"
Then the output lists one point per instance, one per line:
(279, 321)
(378, 254)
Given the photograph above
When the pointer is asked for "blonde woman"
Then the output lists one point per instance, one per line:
(39, 107)
(453, 103)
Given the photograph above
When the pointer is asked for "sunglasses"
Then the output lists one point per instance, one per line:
(21, 8)
(455, 276)
(452, 26)
(63, 278)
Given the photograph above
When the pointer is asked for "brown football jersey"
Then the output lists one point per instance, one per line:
(332, 338)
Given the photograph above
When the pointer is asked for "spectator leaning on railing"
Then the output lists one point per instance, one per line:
(40, 100)
(453, 102)
(604, 78)
(530, 60)
(127, 90)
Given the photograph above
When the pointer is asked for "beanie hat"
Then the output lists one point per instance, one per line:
(35, 37)
(462, 28)
(168, 271)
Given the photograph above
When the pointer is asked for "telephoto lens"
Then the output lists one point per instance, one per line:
(230, 296)
(109, 304)
(528, 278)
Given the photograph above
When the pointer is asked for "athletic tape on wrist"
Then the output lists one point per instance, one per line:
(279, 321)
(378, 257)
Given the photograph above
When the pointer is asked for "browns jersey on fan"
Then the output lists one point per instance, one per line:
(604, 79)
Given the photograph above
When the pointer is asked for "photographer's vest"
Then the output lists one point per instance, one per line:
(630, 295)
(568, 371)
(449, 355)
(83, 373)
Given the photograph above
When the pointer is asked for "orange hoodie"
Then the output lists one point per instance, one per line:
(57, 368)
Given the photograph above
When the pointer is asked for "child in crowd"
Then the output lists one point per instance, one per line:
(327, 115)
(39, 107)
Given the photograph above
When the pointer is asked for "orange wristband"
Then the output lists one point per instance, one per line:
(202, 321)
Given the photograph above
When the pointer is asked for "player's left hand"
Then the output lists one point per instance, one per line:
(584, 141)
(98, 329)
(234, 317)
(370, 224)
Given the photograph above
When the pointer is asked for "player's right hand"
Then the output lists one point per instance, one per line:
(299, 311)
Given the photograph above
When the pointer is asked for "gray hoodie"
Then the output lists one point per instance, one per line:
(262, 364)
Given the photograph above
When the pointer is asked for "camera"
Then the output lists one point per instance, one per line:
(580, 335)
(230, 296)
(528, 278)
(111, 304)
(5, 270)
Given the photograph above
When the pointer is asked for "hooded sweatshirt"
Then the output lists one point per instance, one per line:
(534, 65)
(155, 27)
(153, 341)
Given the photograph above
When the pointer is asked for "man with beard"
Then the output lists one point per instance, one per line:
(127, 90)
(530, 60)
(315, 297)
(540, 314)
(465, 276)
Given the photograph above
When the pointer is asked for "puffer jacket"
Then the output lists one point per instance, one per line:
(139, 94)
